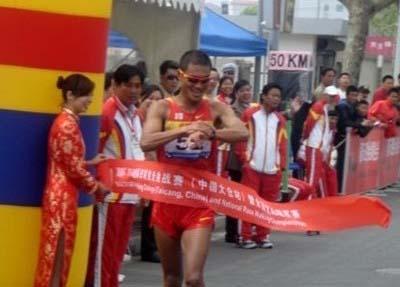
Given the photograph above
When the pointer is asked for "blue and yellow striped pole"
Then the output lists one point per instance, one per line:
(40, 40)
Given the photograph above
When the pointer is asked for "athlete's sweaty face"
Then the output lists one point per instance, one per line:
(194, 81)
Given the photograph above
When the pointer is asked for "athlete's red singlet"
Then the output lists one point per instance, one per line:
(174, 219)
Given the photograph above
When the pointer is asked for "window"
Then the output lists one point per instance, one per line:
(326, 7)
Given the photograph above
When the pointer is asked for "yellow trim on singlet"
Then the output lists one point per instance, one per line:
(172, 124)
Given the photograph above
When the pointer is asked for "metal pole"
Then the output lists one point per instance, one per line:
(257, 65)
(396, 69)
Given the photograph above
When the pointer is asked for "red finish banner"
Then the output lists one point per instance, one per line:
(191, 187)
(372, 162)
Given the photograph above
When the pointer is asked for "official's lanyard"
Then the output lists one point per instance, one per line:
(128, 117)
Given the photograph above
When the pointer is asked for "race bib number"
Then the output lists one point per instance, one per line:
(179, 148)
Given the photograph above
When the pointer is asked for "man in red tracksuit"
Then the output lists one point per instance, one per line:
(264, 158)
(316, 131)
(385, 113)
(329, 182)
(120, 134)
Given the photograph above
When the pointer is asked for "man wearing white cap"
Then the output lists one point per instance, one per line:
(315, 133)
(230, 70)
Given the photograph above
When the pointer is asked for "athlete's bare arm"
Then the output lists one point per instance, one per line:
(233, 129)
(153, 134)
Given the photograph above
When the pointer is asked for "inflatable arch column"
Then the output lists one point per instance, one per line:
(40, 40)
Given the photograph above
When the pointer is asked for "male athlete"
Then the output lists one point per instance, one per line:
(182, 131)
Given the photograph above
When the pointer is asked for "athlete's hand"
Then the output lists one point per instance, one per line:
(194, 140)
(200, 126)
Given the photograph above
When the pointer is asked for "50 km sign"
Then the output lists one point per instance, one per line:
(290, 61)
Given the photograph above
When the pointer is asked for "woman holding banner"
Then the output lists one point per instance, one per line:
(66, 173)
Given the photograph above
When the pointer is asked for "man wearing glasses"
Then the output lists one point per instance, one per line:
(182, 131)
(169, 81)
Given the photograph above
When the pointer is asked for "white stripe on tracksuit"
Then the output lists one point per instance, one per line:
(102, 209)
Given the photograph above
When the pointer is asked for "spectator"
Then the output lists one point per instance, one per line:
(364, 125)
(385, 114)
(316, 128)
(299, 117)
(107, 85)
(151, 93)
(382, 92)
(264, 159)
(329, 186)
(169, 81)
(230, 70)
(225, 90)
(347, 119)
(242, 94)
(213, 84)
(363, 94)
(344, 81)
(148, 247)
(327, 79)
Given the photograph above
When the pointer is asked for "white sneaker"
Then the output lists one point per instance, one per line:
(266, 244)
(248, 244)
(121, 278)
(127, 258)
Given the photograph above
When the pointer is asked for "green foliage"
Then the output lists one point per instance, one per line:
(251, 10)
(385, 21)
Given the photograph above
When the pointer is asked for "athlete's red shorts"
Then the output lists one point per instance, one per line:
(175, 219)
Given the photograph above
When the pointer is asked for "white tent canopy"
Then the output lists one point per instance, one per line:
(160, 29)
(187, 5)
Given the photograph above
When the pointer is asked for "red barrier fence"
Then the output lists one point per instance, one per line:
(372, 162)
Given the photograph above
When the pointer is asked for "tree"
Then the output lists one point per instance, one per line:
(385, 21)
(289, 14)
(360, 12)
(251, 10)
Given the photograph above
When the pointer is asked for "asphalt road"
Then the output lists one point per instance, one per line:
(368, 257)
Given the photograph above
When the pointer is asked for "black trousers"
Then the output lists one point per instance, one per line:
(231, 224)
(147, 241)
(340, 165)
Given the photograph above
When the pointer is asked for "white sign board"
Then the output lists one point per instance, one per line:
(290, 61)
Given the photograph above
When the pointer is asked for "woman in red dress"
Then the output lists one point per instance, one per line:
(66, 173)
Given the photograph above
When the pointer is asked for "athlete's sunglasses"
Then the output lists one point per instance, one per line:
(194, 79)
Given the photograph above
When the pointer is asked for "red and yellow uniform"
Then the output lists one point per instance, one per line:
(66, 174)
(174, 219)
(120, 134)
(263, 158)
(316, 128)
(385, 112)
